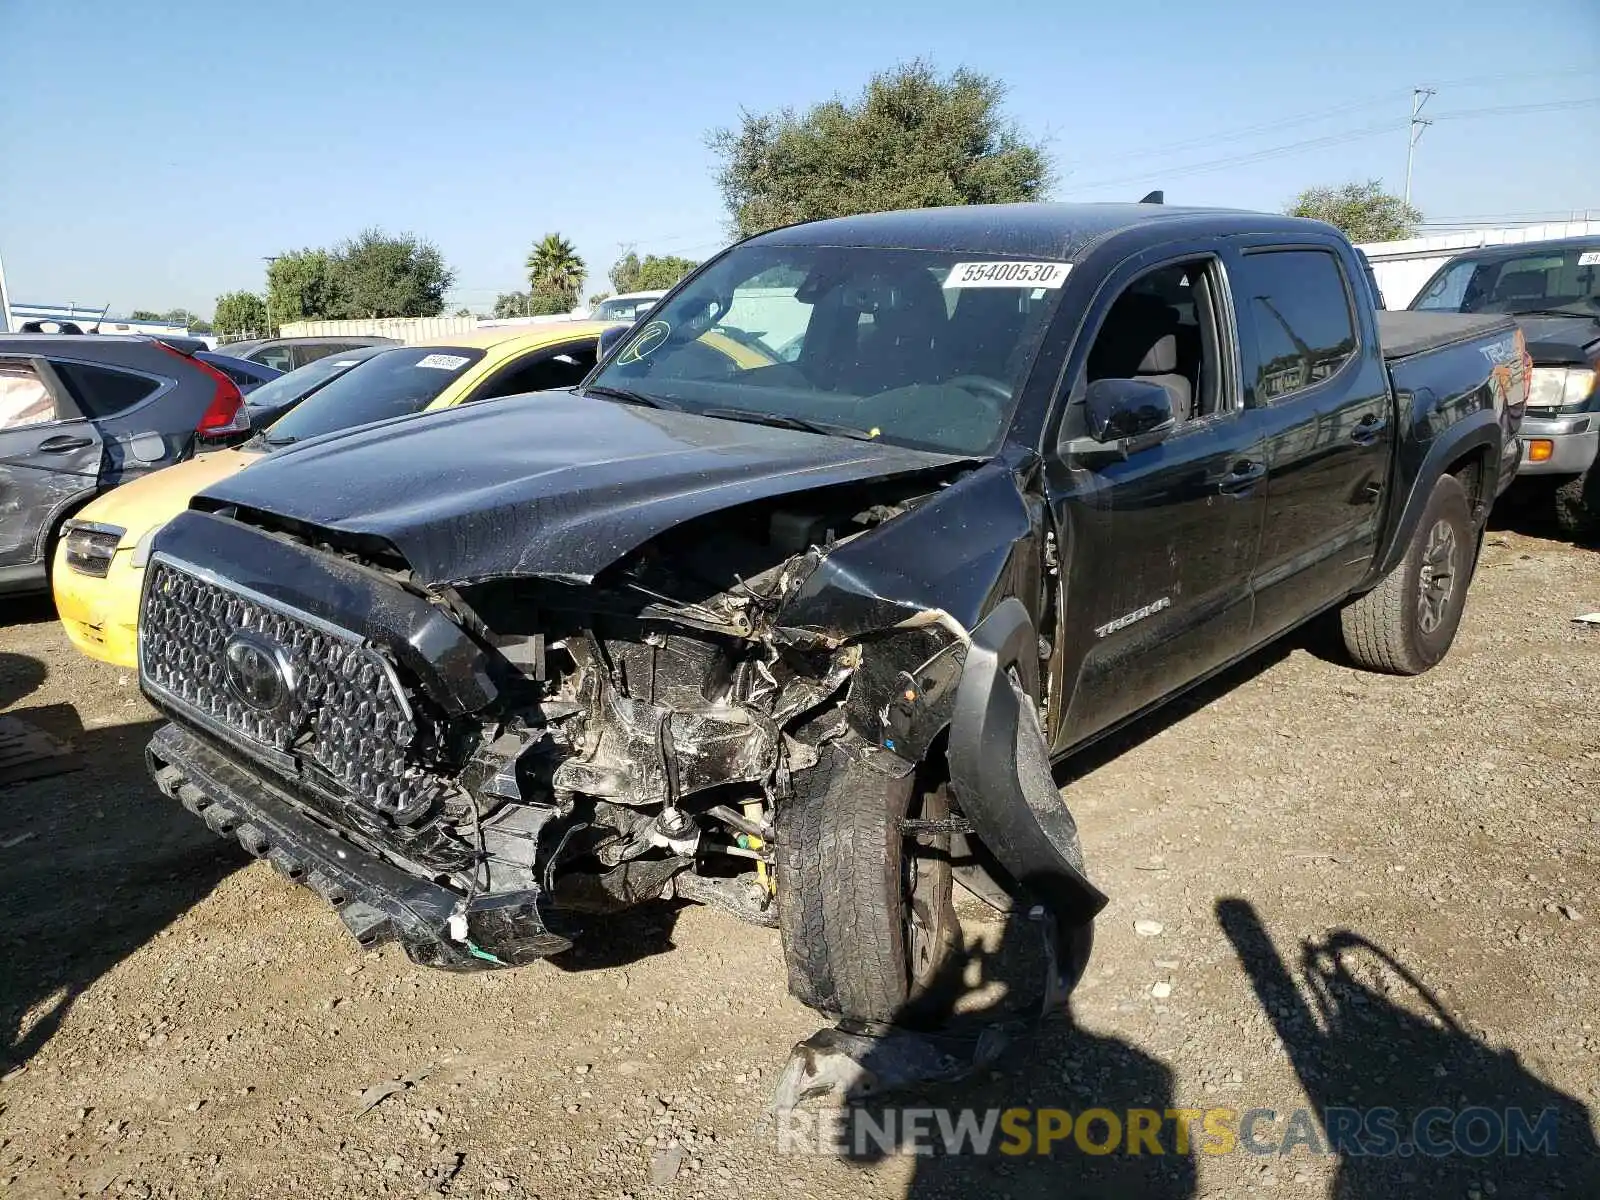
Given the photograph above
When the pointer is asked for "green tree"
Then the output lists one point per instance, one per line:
(511, 304)
(305, 285)
(463, 311)
(548, 301)
(241, 315)
(555, 272)
(912, 139)
(1364, 211)
(629, 274)
(144, 314)
(386, 276)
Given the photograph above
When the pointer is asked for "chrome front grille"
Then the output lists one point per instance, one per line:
(295, 688)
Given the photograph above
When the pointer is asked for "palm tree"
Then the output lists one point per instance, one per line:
(555, 269)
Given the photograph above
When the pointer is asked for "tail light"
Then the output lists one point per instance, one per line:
(226, 413)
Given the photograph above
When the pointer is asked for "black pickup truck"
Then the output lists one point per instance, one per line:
(791, 606)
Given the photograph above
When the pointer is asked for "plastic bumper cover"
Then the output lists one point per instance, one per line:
(377, 900)
(1574, 441)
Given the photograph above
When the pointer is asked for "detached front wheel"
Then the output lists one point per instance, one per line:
(1407, 623)
(864, 906)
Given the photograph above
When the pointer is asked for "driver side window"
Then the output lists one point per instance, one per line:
(1163, 329)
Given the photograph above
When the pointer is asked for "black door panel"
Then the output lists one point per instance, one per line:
(1157, 553)
(1320, 394)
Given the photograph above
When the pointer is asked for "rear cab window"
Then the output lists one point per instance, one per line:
(392, 384)
(1300, 311)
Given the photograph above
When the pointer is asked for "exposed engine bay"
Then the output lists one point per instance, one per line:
(644, 727)
(648, 724)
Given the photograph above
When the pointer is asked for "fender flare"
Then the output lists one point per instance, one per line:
(1479, 432)
(1000, 771)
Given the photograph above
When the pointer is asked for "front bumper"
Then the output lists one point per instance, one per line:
(100, 614)
(1574, 441)
(377, 900)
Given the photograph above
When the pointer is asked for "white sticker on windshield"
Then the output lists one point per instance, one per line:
(444, 362)
(1007, 274)
(1589, 258)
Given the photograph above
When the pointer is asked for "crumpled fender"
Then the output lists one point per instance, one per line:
(1000, 770)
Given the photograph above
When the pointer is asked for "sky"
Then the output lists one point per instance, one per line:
(151, 154)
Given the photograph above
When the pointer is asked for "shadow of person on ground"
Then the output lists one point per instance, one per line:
(1052, 1065)
(1355, 1047)
(95, 864)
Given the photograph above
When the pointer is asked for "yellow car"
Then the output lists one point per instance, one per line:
(99, 562)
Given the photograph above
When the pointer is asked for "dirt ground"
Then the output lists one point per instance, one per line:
(1369, 891)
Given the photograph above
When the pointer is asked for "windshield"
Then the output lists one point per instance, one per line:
(922, 348)
(1538, 281)
(392, 383)
(286, 389)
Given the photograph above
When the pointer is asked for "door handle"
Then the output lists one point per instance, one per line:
(1367, 430)
(1244, 476)
(63, 442)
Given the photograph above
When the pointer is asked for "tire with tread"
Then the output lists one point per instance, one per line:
(841, 900)
(1577, 506)
(1382, 630)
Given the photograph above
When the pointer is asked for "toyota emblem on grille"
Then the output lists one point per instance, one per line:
(259, 673)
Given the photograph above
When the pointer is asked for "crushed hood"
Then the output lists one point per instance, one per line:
(554, 485)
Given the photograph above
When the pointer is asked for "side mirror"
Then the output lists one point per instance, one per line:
(610, 337)
(1120, 409)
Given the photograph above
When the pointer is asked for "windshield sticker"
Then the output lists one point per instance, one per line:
(1589, 258)
(1007, 274)
(444, 362)
(646, 343)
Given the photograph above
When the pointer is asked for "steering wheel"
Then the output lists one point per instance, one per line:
(991, 391)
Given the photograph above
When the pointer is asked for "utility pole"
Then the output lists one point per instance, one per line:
(1419, 97)
(269, 259)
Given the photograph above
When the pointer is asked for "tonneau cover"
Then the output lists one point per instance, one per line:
(1406, 333)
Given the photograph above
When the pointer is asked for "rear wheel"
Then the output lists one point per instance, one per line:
(1407, 623)
(864, 907)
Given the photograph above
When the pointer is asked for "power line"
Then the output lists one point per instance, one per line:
(1303, 144)
(1505, 77)
(1505, 109)
(1266, 127)
(1220, 164)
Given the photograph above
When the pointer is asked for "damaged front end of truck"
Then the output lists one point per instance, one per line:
(473, 762)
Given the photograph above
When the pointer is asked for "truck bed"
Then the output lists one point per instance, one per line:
(1405, 334)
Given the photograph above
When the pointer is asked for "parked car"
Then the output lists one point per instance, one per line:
(628, 307)
(246, 374)
(287, 354)
(101, 566)
(82, 414)
(271, 401)
(803, 638)
(1552, 290)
